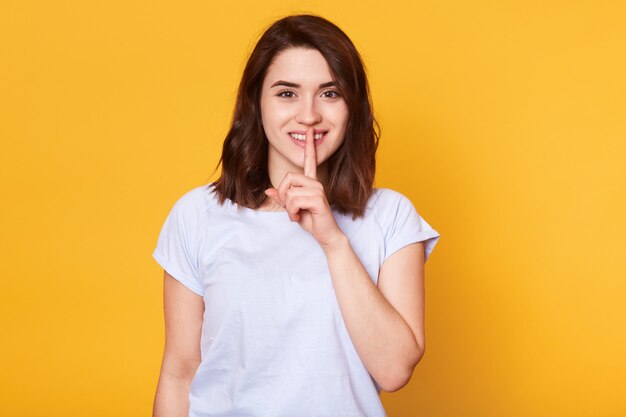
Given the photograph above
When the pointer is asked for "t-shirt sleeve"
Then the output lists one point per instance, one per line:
(176, 249)
(406, 226)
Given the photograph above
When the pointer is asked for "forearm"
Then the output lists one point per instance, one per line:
(383, 339)
(172, 396)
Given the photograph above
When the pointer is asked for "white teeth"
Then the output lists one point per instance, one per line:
(303, 137)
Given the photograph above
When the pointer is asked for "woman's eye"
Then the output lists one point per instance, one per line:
(330, 94)
(286, 94)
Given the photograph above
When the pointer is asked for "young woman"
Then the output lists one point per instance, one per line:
(292, 286)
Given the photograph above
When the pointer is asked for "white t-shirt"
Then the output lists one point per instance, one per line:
(273, 341)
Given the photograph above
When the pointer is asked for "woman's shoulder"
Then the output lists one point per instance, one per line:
(384, 199)
(384, 209)
(197, 199)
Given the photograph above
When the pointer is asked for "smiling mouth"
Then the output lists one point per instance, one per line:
(302, 137)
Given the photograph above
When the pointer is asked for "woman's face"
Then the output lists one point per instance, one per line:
(298, 92)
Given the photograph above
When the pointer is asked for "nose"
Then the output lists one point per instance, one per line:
(308, 113)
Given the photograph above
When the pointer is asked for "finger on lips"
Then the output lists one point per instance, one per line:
(293, 181)
(310, 157)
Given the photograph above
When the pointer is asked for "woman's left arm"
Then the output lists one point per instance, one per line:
(385, 323)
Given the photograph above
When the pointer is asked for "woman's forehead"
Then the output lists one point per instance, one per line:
(305, 67)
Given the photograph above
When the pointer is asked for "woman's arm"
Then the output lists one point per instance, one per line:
(386, 324)
(183, 325)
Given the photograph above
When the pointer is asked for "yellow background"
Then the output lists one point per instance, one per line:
(504, 122)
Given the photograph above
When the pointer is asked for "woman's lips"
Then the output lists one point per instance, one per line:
(302, 143)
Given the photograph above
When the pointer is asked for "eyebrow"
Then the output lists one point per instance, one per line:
(294, 85)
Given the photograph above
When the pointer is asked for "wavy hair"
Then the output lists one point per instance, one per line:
(351, 168)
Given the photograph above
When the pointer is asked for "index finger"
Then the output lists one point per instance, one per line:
(310, 157)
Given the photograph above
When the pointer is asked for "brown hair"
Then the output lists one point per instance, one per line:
(351, 168)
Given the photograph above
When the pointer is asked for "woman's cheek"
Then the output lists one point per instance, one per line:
(281, 111)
